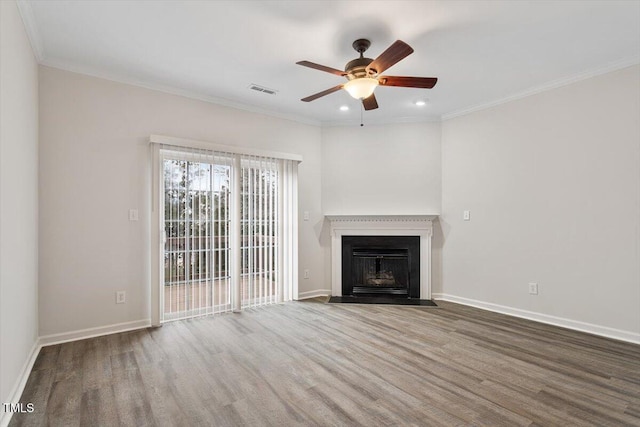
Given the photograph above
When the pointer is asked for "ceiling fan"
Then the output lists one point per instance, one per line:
(364, 74)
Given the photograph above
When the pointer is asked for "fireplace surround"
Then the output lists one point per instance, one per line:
(420, 226)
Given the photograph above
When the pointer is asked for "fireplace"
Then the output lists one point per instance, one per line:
(415, 226)
(381, 266)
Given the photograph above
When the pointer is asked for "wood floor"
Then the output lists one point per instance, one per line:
(310, 363)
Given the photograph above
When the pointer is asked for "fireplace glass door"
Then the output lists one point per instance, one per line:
(377, 271)
(381, 266)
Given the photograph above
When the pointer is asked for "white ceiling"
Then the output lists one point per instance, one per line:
(481, 51)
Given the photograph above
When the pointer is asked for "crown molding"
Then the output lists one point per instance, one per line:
(65, 66)
(565, 81)
(613, 66)
(29, 21)
(172, 90)
(128, 80)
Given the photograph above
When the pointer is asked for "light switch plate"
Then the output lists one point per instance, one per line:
(121, 297)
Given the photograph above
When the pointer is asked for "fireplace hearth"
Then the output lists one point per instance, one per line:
(385, 266)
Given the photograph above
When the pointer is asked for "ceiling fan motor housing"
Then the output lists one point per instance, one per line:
(357, 68)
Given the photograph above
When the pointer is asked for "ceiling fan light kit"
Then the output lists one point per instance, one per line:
(364, 73)
(361, 88)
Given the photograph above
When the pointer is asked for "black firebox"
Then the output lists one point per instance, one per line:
(381, 266)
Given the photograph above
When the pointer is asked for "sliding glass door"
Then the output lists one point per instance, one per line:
(223, 232)
(196, 235)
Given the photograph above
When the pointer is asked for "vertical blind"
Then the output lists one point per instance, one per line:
(229, 231)
(259, 233)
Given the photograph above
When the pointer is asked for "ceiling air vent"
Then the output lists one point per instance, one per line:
(263, 89)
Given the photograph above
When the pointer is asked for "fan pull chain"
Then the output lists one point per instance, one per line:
(361, 114)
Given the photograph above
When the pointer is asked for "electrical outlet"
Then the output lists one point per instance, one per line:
(306, 273)
(466, 215)
(533, 288)
(305, 216)
(121, 297)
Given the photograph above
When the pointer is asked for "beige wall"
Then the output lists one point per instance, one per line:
(553, 185)
(18, 200)
(392, 169)
(385, 169)
(94, 168)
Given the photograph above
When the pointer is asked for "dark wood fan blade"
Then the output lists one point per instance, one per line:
(394, 54)
(420, 82)
(370, 103)
(321, 68)
(321, 94)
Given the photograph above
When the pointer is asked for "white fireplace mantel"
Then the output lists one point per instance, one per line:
(381, 225)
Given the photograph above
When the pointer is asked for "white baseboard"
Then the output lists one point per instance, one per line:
(313, 294)
(94, 332)
(16, 392)
(590, 328)
(18, 388)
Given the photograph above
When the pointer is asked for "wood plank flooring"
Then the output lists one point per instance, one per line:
(310, 363)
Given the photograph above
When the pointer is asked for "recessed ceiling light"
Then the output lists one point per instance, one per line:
(420, 103)
(344, 108)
